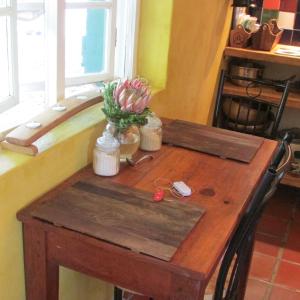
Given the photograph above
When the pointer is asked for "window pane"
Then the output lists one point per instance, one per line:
(4, 3)
(31, 54)
(30, 2)
(5, 69)
(85, 1)
(85, 41)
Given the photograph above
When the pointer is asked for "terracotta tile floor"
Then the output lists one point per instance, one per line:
(275, 269)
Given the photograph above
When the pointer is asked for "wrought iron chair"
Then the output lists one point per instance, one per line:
(250, 113)
(237, 258)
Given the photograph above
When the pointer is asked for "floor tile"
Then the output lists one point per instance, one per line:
(292, 248)
(282, 293)
(262, 266)
(295, 230)
(273, 226)
(267, 244)
(282, 210)
(288, 275)
(282, 204)
(297, 212)
(256, 290)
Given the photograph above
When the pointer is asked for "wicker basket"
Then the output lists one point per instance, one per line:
(267, 36)
(239, 37)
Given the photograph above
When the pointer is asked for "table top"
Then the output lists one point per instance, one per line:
(122, 215)
(221, 186)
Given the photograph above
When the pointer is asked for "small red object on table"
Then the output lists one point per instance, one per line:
(158, 195)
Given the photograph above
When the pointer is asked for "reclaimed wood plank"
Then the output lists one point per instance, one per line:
(220, 142)
(122, 215)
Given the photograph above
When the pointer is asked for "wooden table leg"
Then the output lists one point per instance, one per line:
(41, 275)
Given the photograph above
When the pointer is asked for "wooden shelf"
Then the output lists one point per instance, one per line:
(291, 180)
(269, 56)
(268, 94)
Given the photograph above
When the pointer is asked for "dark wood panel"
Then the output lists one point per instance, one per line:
(211, 140)
(122, 215)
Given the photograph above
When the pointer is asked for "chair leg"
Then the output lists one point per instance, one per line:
(246, 267)
(118, 294)
(237, 287)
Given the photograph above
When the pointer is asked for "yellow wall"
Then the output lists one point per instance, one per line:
(198, 36)
(154, 40)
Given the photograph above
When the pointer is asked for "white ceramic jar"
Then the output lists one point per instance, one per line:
(106, 160)
(151, 134)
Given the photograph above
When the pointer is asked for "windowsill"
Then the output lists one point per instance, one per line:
(87, 119)
(27, 110)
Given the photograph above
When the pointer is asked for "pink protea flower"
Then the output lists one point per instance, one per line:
(132, 95)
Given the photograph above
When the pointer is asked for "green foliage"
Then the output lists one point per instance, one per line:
(122, 119)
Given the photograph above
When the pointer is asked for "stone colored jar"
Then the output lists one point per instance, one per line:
(151, 134)
(106, 160)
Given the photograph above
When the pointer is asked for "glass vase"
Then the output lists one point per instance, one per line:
(129, 140)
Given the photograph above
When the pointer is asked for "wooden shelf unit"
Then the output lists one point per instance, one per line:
(266, 56)
(269, 94)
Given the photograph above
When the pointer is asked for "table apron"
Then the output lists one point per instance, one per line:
(127, 271)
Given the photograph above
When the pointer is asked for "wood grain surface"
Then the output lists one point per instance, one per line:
(216, 141)
(49, 119)
(124, 216)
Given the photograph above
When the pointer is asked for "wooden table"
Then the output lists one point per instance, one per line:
(221, 186)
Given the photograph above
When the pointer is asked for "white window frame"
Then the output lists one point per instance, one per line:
(121, 45)
(110, 42)
(10, 12)
(127, 36)
(121, 37)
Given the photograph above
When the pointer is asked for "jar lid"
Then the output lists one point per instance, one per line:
(107, 141)
(153, 121)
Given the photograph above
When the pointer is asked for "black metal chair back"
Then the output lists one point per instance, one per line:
(237, 258)
(250, 113)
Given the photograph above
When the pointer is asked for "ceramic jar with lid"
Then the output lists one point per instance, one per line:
(107, 154)
(151, 134)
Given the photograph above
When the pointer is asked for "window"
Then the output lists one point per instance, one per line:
(8, 57)
(50, 48)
